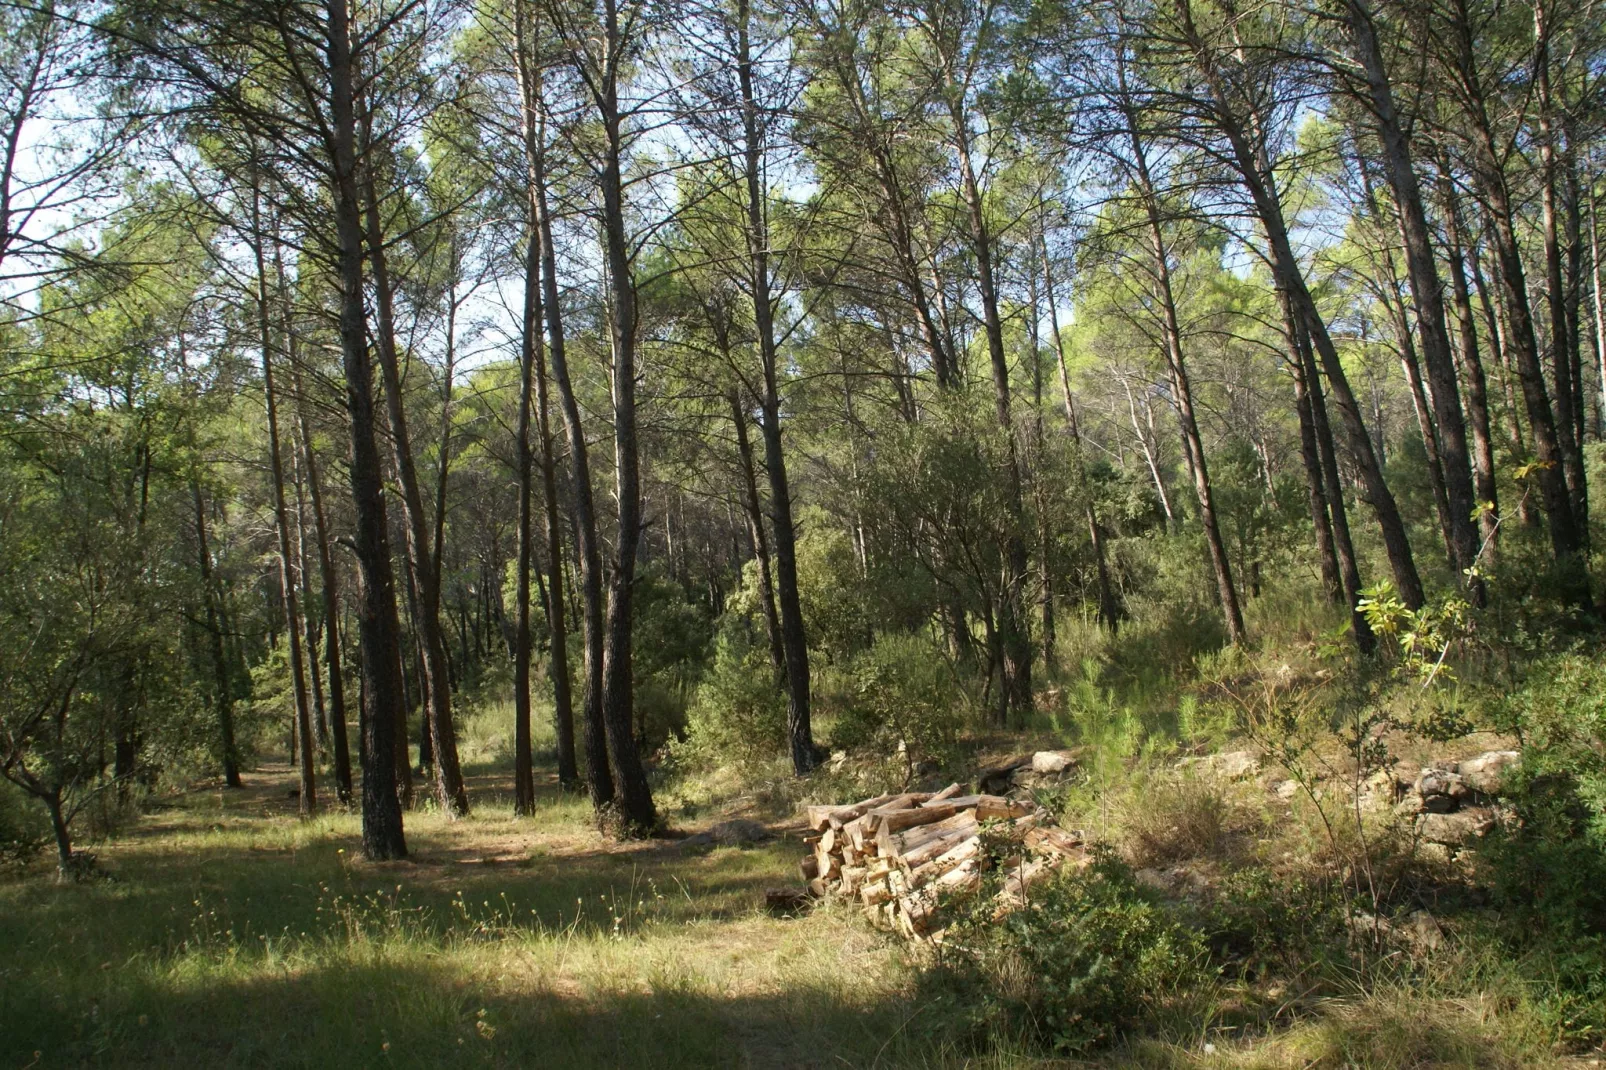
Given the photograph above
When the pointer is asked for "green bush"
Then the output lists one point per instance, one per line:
(1094, 956)
(739, 710)
(1547, 867)
(905, 703)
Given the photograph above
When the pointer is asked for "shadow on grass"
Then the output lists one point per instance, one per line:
(399, 1013)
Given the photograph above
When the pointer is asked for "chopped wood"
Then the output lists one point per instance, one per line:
(902, 856)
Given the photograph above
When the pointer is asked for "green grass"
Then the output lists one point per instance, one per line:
(233, 934)
(228, 933)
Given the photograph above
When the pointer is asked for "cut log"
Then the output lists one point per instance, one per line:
(990, 807)
(874, 892)
(819, 888)
(950, 792)
(902, 843)
(827, 865)
(925, 852)
(1050, 840)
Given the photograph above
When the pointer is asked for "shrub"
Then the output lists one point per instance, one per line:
(1094, 956)
(905, 702)
(738, 712)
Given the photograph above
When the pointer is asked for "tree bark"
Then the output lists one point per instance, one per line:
(1248, 161)
(1483, 470)
(588, 551)
(1192, 443)
(308, 798)
(1110, 611)
(1450, 442)
(636, 811)
(794, 642)
(383, 836)
(436, 683)
(754, 509)
(223, 696)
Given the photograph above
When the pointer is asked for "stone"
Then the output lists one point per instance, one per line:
(1441, 782)
(1455, 829)
(1484, 773)
(1052, 761)
(1378, 791)
(1421, 930)
(1233, 765)
(1285, 789)
(1236, 765)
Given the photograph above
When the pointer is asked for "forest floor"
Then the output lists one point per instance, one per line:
(223, 931)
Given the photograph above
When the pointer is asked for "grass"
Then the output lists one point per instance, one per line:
(229, 933)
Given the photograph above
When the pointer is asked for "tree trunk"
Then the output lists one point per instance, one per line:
(755, 532)
(1258, 181)
(1309, 381)
(436, 684)
(636, 811)
(588, 552)
(1562, 357)
(308, 799)
(1192, 443)
(382, 833)
(223, 697)
(1110, 611)
(794, 642)
(1483, 470)
(1521, 344)
(1450, 443)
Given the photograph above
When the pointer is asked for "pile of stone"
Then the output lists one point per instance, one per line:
(1450, 803)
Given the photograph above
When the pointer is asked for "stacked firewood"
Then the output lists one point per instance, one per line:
(902, 856)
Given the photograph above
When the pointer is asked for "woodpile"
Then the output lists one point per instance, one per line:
(902, 856)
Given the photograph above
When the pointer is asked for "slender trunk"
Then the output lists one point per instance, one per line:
(1561, 356)
(310, 627)
(1013, 635)
(308, 799)
(436, 685)
(588, 551)
(383, 836)
(1110, 611)
(755, 534)
(794, 642)
(223, 696)
(1483, 470)
(1333, 486)
(1310, 454)
(331, 600)
(1192, 443)
(1259, 183)
(1450, 443)
(1521, 344)
(636, 810)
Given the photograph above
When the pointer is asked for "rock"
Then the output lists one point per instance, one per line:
(1378, 792)
(1484, 773)
(1441, 782)
(1410, 804)
(1053, 761)
(739, 832)
(1421, 930)
(1285, 789)
(1455, 829)
(1233, 765)
(997, 779)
